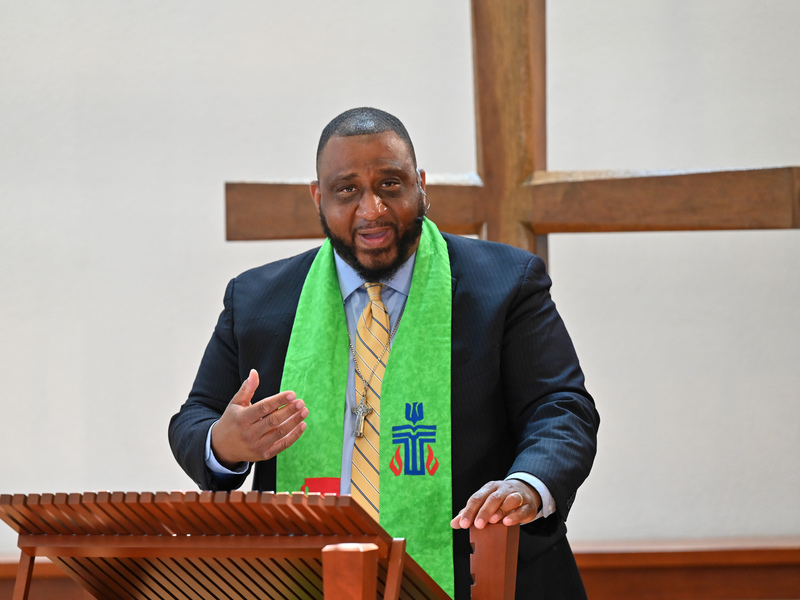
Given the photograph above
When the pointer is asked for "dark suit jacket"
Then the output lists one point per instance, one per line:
(518, 396)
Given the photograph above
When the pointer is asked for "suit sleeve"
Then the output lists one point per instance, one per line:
(217, 381)
(553, 416)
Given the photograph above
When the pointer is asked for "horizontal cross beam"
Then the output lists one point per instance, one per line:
(640, 201)
(558, 202)
(281, 211)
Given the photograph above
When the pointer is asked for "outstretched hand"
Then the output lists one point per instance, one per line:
(512, 501)
(251, 432)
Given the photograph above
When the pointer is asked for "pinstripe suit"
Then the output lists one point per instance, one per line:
(518, 396)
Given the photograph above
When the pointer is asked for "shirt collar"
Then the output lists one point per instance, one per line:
(350, 281)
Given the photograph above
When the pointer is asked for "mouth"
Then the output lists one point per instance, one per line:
(374, 237)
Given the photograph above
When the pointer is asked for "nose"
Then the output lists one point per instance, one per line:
(370, 207)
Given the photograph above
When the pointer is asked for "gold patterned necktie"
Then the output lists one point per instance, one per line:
(371, 354)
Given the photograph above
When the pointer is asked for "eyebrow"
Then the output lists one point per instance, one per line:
(381, 171)
(347, 177)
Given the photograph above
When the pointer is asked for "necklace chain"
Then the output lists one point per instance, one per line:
(363, 395)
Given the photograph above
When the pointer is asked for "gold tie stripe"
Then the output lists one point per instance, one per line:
(371, 355)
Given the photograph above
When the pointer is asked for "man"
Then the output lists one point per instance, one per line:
(468, 407)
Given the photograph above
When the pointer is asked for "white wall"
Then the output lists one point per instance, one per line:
(690, 341)
(120, 123)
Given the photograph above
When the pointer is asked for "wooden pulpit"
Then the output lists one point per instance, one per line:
(232, 545)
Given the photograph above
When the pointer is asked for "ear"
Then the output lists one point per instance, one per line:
(421, 174)
(316, 194)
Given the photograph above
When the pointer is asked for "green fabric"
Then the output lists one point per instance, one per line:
(416, 507)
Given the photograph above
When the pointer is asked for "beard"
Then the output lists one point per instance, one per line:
(346, 250)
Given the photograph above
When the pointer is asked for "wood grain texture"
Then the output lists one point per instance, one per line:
(796, 193)
(204, 544)
(508, 44)
(261, 211)
(350, 571)
(732, 569)
(519, 202)
(493, 563)
(743, 199)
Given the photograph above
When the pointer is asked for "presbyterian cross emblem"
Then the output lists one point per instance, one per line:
(413, 439)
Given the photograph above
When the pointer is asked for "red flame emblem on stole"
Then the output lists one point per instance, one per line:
(396, 463)
(432, 460)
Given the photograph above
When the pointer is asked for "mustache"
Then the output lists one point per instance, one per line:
(370, 224)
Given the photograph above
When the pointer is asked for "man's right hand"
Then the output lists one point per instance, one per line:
(251, 432)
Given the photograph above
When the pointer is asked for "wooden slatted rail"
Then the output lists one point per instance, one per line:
(691, 569)
(767, 568)
(203, 544)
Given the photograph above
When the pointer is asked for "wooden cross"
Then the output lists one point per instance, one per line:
(518, 201)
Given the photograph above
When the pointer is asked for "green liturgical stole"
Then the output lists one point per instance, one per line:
(415, 459)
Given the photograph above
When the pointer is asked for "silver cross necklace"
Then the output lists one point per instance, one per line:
(362, 409)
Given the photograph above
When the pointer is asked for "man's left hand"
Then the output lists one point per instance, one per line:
(512, 501)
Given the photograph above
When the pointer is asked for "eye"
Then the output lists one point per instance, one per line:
(390, 184)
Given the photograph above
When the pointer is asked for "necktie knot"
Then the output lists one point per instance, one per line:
(374, 291)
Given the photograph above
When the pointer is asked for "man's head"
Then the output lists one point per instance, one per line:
(369, 192)
(363, 121)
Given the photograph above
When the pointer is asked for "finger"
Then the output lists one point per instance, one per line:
(467, 514)
(524, 514)
(245, 394)
(279, 423)
(271, 412)
(265, 407)
(512, 502)
(490, 512)
(455, 523)
(528, 510)
(287, 440)
(475, 505)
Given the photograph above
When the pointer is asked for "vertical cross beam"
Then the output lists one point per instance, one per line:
(510, 94)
